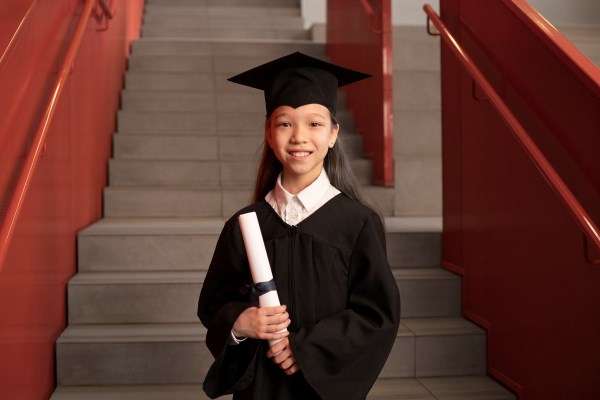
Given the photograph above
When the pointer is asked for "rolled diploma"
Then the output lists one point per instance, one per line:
(258, 261)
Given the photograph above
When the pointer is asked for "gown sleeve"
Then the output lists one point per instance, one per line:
(225, 294)
(342, 354)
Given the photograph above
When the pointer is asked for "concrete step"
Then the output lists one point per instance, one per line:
(265, 48)
(194, 82)
(417, 133)
(197, 82)
(150, 31)
(148, 202)
(454, 387)
(191, 101)
(581, 33)
(152, 11)
(198, 174)
(172, 297)
(591, 50)
(416, 90)
(225, 65)
(204, 123)
(170, 81)
(415, 50)
(418, 183)
(185, 101)
(189, 147)
(176, 353)
(223, 20)
(231, 3)
(174, 244)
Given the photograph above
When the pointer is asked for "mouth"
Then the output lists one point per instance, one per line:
(299, 155)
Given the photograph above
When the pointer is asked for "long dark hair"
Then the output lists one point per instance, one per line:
(336, 166)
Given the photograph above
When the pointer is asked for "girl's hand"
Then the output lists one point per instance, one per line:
(281, 352)
(262, 322)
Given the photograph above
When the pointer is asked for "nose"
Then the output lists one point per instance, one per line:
(298, 134)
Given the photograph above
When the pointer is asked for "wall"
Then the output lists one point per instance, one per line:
(410, 12)
(65, 191)
(571, 12)
(530, 276)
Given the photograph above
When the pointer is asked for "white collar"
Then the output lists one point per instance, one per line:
(309, 197)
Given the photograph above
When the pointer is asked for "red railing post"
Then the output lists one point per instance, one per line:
(359, 36)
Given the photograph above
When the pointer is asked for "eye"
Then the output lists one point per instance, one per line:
(315, 124)
(285, 124)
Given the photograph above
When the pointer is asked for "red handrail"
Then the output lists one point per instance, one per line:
(548, 172)
(581, 65)
(16, 201)
(370, 37)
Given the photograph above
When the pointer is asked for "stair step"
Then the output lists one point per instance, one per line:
(205, 123)
(185, 101)
(191, 81)
(143, 244)
(205, 147)
(415, 50)
(231, 3)
(172, 297)
(181, 202)
(419, 134)
(226, 65)
(455, 387)
(222, 33)
(200, 174)
(418, 184)
(177, 354)
(264, 48)
(221, 20)
(417, 90)
(167, 10)
(170, 81)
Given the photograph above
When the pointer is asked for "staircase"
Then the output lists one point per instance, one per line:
(417, 122)
(586, 38)
(184, 160)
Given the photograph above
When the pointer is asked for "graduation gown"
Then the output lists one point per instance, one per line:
(331, 271)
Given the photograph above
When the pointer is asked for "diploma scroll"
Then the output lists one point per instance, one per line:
(258, 261)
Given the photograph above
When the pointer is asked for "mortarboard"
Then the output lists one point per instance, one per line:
(298, 79)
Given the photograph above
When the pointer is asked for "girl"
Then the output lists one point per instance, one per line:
(326, 247)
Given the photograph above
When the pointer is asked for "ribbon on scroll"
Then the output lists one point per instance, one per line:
(260, 268)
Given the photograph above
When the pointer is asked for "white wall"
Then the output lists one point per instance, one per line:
(410, 12)
(404, 12)
(569, 12)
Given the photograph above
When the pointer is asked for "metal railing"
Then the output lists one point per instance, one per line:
(552, 178)
(39, 139)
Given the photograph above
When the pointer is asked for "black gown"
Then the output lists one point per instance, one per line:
(331, 271)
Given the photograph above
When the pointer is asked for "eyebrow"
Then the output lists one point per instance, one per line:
(286, 114)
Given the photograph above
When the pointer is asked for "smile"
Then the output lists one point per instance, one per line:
(300, 154)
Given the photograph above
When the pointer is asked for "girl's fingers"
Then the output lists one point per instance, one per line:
(287, 363)
(277, 318)
(272, 310)
(282, 356)
(278, 327)
(277, 347)
(291, 369)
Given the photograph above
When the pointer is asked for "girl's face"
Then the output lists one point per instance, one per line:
(307, 129)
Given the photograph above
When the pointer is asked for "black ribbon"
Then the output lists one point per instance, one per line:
(261, 288)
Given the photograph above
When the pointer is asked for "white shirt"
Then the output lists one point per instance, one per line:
(293, 208)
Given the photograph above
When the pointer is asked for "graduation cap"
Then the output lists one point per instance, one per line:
(298, 79)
